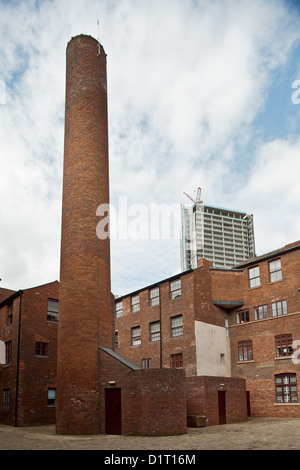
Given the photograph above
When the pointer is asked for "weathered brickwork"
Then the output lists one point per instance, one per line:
(153, 401)
(202, 398)
(85, 293)
(261, 370)
(28, 376)
(214, 296)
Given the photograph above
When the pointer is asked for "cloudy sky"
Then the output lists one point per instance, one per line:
(202, 93)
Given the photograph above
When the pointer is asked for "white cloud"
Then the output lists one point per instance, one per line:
(185, 83)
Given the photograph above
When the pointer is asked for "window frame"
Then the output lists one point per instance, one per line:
(275, 271)
(8, 352)
(238, 315)
(245, 350)
(284, 341)
(175, 289)
(254, 278)
(288, 387)
(53, 404)
(146, 363)
(283, 308)
(136, 339)
(52, 314)
(176, 329)
(119, 311)
(156, 334)
(41, 349)
(176, 361)
(154, 299)
(260, 312)
(135, 303)
(6, 399)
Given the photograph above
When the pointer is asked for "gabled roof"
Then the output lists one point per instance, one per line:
(271, 254)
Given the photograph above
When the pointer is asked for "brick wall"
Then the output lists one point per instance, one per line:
(153, 401)
(260, 372)
(168, 308)
(36, 373)
(202, 398)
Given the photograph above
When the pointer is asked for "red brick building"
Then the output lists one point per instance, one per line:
(263, 330)
(224, 332)
(28, 355)
(237, 323)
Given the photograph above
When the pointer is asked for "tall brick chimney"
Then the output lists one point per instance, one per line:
(85, 286)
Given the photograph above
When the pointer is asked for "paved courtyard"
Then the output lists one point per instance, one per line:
(254, 434)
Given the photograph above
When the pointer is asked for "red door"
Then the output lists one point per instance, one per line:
(113, 411)
(248, 403)
(222, 406)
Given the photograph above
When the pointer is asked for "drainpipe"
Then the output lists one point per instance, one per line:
(18, 360)
(160, 343)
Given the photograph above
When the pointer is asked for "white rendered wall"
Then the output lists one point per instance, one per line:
(211, 342)
(2, 352)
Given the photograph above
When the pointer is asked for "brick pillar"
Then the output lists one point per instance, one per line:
(85, 291)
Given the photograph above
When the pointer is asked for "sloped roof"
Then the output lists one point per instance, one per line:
(120, 358)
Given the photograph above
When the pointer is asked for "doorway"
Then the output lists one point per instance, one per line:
(222, 406)
(113, 411)
(248, 403)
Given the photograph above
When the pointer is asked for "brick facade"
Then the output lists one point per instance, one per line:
(153, 401)
(261, 370)
(214, 297)
(28, 376)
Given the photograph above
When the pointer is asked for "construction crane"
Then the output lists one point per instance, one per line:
(198, 197)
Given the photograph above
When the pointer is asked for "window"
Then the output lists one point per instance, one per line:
(8, 352)
(116, 340)
(222, 358)
(52, 311)
(176, 361)
(176, 326)
(286, 388)
(245, 350)
(41, 349)
(135, 303)
(119, 309)
(242, 316)
(260, 312)
(6, 397)
(136, 336)
(154, 296)
(175, 287)
(283, 345)
(275, 270)
(51, 396)
(9, 314)
(279, 308)
(254, 278)
(155, 331)
(146, 363)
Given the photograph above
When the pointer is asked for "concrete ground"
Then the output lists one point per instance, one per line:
(254, 434)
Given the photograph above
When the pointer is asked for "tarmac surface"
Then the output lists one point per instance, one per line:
(253, 434)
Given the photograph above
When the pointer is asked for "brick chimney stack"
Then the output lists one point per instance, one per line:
(85, 284)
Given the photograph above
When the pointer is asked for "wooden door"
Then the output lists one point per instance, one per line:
(222, 406)
(113, 411)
